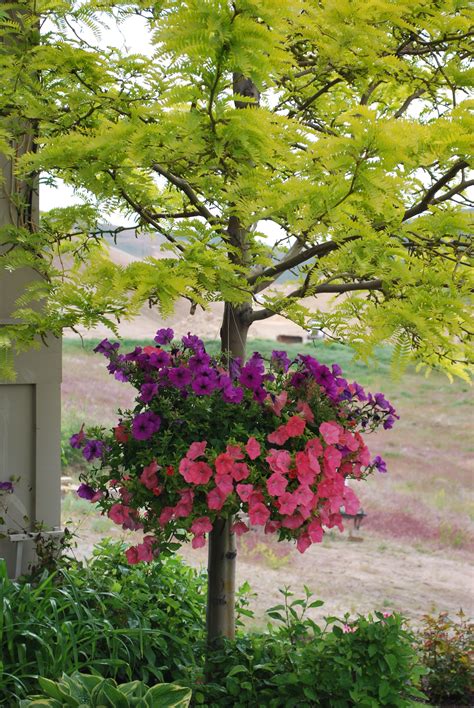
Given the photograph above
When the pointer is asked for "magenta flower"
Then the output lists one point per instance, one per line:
(86, 492)
(280, 361)
(192, 342)
(148, 391)
(144, 425)
(106, 347)
(379, 464)
(6, 486)
(203, 386)
(250, 377)
(93, 449)
(231, 394)
(164, 336)
(180, 376)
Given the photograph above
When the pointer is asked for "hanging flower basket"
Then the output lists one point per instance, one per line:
(268, 444)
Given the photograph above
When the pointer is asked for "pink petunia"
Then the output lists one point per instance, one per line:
(279, 436)
(330, 432)
(197, 472)
(244, 491)
(276, 484)
(225, 484)
(215, 499)
(272, 526)
(314, 447)
(277, 403)
(351, 502)
(234, 451)
(198, 541)
(185, 505)
(148, 476)
(196, 449)
(279, 460)
(315, 531)
(303, 543)
(132, 555)
(119, 513)
(224, 463)
(253, 448)
(166, 515)
(288, 504)
(240, 471)
(240, 528)
(364, 456)
(304, 472)
(349, 440)
(258, 514)
(201, 525)
(303, 408)
(295, 426)
(303, 495)
(332, 459)
(292, 522)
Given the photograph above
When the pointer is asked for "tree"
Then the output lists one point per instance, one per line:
(344, 124)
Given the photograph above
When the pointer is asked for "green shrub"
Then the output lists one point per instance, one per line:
(97, 692)
(127, 622)
(447, 650)
(368, 663)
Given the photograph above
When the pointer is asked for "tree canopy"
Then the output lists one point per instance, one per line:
(344, 123)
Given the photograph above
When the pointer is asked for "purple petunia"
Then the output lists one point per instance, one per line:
(379, 463)
(389, 423)
(164, 335)
(259, 394)
(235, 367)
(148, 391)
(381, 401)
(180, 376)
(6, 486)
(106, 347)
(200, 360)
(86, 492)
(144, 425)
(159, 359)
(93, 449)
(77, 440)
(250, 377)
(203, 386)
(191, 341)
(280, 361)
(231, 394)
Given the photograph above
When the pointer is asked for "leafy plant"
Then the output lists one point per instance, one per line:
(104, 616)
(447, 650)
(96, 692)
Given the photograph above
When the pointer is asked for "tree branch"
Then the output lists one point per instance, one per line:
(429, 196)
(186, 188)
(319, 249)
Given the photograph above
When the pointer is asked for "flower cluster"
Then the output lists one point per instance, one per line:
(269, 446)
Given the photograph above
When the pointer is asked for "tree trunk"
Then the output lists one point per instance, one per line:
(222, 548)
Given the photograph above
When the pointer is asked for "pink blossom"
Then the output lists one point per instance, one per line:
(330, 432)
(148, 476)
(349, 440)
(292, 522)
(185, 505)
(132, 555)
(314, 447)
(225, 484)
(197, 472)
(347, 629)
(256, 497)
(279, 460)
(332, 459)
(315, 531)
(119, 513)
(277, 403)
(303, 543)
(351, 502)
(234, 451)
(166, 515)
(240, 471)
(216, 499)
(198, 541)
(304, 472)
(253, 448)
(224, 463)
(240, 528)
(272, 526)
(305, 410)
(364, 455)
(196, 449)
(258, 514)
(387, 614)
(99, 495)
(244, 491)
(295, 426)
(288, 503)
(276, 484)
(303, 495)
(201, 525)
(279, 436)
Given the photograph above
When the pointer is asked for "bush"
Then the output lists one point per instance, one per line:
(125, 622)
(370, 662)
(447, 650)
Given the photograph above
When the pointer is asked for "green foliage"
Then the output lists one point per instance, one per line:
(368, 662)
(97, 692)
(446, 648)
(346, 125)
(139, 623)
